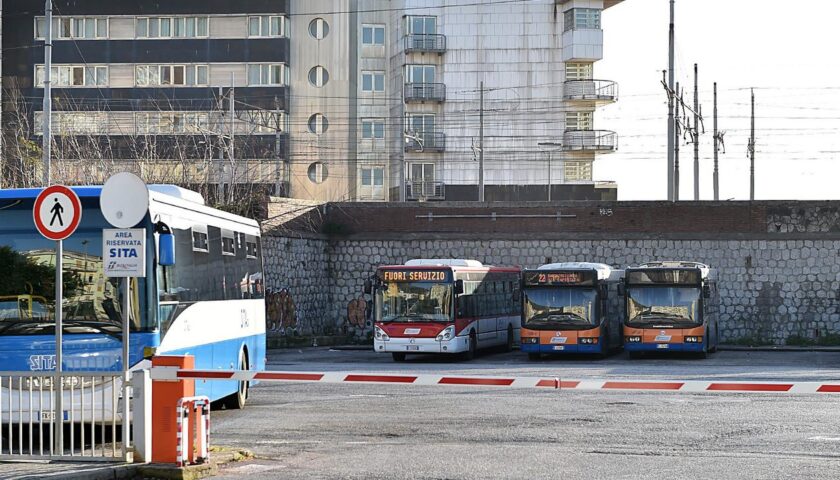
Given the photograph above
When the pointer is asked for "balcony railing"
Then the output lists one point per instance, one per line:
(425, 142)
(425, 190)
(602, 91)
(424, 92)
(590, 140)
(421, 42)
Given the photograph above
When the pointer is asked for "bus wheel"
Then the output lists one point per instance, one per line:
(509, 344)
(470, 353)
(237, 400)
(634, 355)
(398, 357)
(711, 348)
(534, 357)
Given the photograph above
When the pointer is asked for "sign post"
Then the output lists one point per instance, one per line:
(124, 203)
(57, 213)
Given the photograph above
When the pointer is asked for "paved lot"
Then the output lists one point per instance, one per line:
(389, 431)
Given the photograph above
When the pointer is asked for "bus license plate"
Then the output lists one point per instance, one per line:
(662, 345)
(559, 347)
(412, 347)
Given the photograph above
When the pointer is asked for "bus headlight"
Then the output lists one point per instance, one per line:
(693, 339)
(588, 340)
(633, 339)
(530, 340)
(380, 334)
(446, 334)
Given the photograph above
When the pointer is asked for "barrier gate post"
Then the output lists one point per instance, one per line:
(165, 397)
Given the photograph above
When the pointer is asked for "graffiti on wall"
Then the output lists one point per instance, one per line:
(281, 312)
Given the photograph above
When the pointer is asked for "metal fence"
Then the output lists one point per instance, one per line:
(86, 427)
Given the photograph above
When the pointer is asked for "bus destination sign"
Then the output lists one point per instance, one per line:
(676, 276)
(415, 275)
(537, 278)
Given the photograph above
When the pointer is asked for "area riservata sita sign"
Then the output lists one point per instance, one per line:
(124, 251)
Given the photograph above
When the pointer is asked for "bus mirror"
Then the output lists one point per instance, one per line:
(621, 290)
(368, 287)
(707, 291)
(459, 287)
(166, 245)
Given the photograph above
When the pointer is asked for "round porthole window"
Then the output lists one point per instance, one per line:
(319, 28)
(318, 124)
(317, 172)
(319, 76)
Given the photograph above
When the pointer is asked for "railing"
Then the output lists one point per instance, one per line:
(424, 92)
(425, 142)
(423, 42)
(591, 90)
(425, 190)
(590, 140)
(85, 429)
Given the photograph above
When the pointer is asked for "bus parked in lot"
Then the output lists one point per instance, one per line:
(444, 306)
(206, 300)
(571, 308)
(671, 306)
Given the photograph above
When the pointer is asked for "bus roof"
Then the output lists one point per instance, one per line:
(705, 270)
(442, 262)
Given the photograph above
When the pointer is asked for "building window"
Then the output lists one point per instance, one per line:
(170, 75)
(373, 177)
(317, 172)
(420, 73)
(373, 35)
(319, 28)
(582, 18)
(274, 74)
(267, 26)
(319, 76)
(421, 25)
(171, 27)
(73, 76)
(373, 129)
(578, 171)
(318, 124)
(78, 28)
(578, 71)
(373, 81)
(152, 123)
(420, 124)
(579, 120)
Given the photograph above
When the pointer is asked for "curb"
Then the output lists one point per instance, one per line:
(111, 472)
(360, 348)
(776, 348)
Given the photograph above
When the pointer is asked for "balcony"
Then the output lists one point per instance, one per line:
(425, 142)
(598, 91)
(424, 43)
(424, 92)
(590, 141)
(425, 190)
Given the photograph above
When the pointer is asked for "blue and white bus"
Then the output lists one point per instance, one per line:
(206, 300)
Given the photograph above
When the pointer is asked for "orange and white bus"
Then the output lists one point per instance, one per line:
(444, 306)
(671, 306)
(571, 308)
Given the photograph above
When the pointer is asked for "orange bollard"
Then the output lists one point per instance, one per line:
(165, 396)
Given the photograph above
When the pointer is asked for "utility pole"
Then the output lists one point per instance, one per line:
(676, 151)
(220, 168)
(232, 137)
(696, 138)
(671, 126)
(752, 145)
(481, 146)
(278, 168)
(47, 137)
(715, 179)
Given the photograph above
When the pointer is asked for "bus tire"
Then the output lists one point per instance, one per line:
(471, 347)
(509, 343)
(398, 357)
(634, 355)
(237, 400)
(534, 357)
(715, 348)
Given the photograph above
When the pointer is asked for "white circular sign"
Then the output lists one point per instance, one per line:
(57, 212)
(125, 200)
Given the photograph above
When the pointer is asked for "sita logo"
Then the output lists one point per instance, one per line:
(41, 363)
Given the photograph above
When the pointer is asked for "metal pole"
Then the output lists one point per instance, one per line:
(671, 121)
(126, 361)
(715, 174)
(220, 170)
(752, 146)
(58, 414)
(279, 162)
(549, 176)
(696, 138)
(676, 152)
(232, 136)
(481, 146)
(46, 146)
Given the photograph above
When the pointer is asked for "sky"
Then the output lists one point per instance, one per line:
(787, 54)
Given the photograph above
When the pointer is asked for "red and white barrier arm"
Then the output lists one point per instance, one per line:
(688, 386)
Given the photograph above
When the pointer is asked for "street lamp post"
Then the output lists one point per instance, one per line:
(549, 147)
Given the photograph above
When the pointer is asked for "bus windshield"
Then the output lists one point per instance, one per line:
(663, 306)
(552, 308)
(414, 302)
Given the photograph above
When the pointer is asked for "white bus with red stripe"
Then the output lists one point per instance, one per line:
(444, 306)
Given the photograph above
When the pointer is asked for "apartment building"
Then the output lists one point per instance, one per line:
(360, 100)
